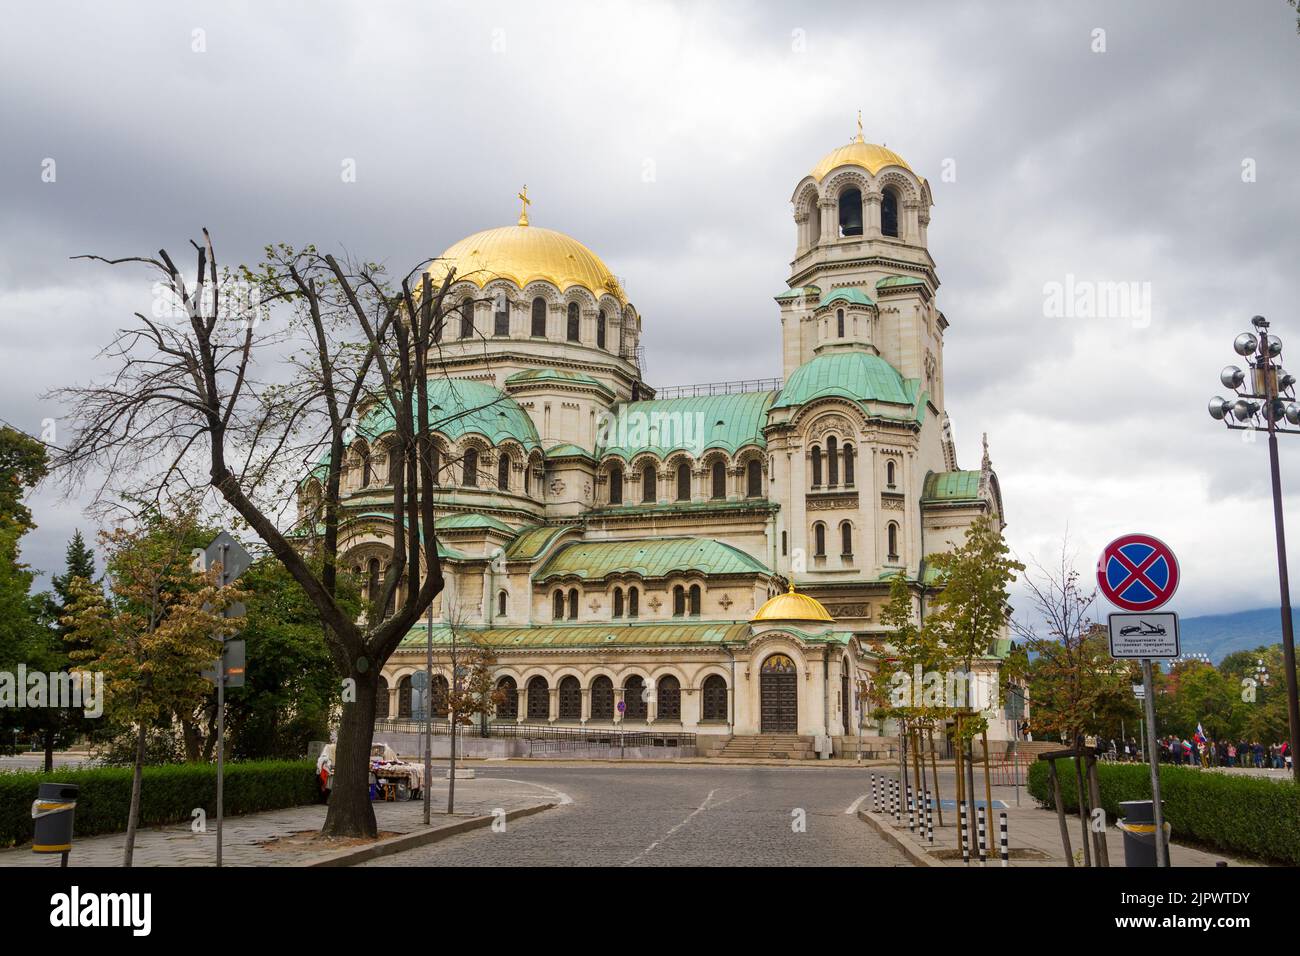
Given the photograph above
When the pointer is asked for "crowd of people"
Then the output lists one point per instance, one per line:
(1200, 752)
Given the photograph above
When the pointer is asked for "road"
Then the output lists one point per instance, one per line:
(682, 815)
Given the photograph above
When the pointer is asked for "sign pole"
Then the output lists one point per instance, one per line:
(1153, 755)
(428, 711)
(221, 717)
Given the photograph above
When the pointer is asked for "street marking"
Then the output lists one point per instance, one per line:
(853, 807)
(564, 798)
(689, 817)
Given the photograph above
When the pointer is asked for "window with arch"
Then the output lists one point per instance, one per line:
(848, 465)
(508, 691)
(539, 317)
(557, 605)
(634, 698)
(469, 476)
(890, 472)
(839, 323)
(889, 212)
(503, 473)
(602, 698)
(816, 467)
(668, 698)
(649, 494)
(363, 453)
(785, 543)
(719, 474)
(570, 698)
(694, 600)
(891, 539)
(754, 479)
(618, 602)
(679, 601)
(502, 603)
(600, 329)
(683, 482)
(539, 699)
(846, 539)
(381, 700)
(438, 699)
(573, 604)
(713, 698)
(404, 697)
(573, 326)
(501, 317)
(633, 599)
(832, 461)
(851, 212)
(819, 540)
(467, 319)
(616, 485)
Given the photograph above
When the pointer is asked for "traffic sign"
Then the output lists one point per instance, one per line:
(1137, 572)
(1139, 692)
(1144, 636)
(235, 656)
(234, 559)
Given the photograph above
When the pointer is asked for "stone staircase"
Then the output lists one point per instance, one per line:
(768, 746)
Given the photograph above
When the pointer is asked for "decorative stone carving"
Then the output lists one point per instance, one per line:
(892, 502)
(557, 486)
(830, 423)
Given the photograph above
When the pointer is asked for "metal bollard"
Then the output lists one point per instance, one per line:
(893, 801)
(983, 833)
(1003, 846)
(962, 835)
(911, 809)
(875, 804)
(929, 818)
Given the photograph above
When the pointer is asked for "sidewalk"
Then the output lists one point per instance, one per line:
(289, 837)
(1033, 836)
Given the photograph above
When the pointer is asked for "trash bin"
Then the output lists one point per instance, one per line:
(52, 817)
(1138, 825)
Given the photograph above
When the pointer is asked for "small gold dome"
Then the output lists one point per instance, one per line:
(524, 254)
(792, 606)
(868, 156)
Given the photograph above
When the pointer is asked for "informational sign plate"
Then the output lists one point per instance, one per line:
(1144, 636)
(1137, 572)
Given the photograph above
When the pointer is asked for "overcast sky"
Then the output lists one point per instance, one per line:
(669, 137)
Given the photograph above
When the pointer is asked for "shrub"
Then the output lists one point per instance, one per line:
(1253, 816)
(168, 794)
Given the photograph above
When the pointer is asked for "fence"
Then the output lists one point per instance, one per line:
(557, 739)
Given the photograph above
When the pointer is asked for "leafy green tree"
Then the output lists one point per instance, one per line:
(22, 466)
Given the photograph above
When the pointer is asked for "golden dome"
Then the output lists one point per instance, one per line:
(526, 253)
(792, 606)
(868, 156)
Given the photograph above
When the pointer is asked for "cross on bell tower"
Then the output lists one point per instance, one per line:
(523, 209)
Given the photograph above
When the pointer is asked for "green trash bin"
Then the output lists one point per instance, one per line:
(1138, 825)
(52, 817)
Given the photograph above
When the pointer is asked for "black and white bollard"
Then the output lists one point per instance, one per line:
(1004, 846)
(929, 818)
(875, 802)
(893, 799)
(963, 836)
(911, 809)
(980, 816)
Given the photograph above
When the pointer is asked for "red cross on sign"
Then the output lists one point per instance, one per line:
(1137, 572)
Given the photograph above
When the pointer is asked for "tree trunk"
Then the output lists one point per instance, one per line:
(133, 815)
(350, 813)
(49, 748)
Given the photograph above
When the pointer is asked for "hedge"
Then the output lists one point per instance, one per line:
(1255, 817)
(168, 794)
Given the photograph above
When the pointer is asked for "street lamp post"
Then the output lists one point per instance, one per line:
(1266, 397)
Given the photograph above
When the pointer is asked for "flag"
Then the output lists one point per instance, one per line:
(1200, 733)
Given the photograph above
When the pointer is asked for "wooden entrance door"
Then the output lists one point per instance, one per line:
(778, 696)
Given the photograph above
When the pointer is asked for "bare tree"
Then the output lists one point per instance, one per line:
(256, 409)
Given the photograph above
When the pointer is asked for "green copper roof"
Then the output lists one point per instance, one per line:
(568, 450)
(458, 407)
(646, 634)
(852, 296)
(553, 375)
(533, 541)
(951, 486)
(860, 376)
(694, 425)
(654, 558)
(468, 522)
(893, 282)
(808, 290)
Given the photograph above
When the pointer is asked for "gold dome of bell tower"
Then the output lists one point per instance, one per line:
(792, 606)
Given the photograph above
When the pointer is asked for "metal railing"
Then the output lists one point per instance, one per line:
(560, 738)
(721, 388)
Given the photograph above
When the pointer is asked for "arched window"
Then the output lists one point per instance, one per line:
(470, 477)
(648, 492)
(508, 691)
(713, 703)
(404, 697)
(819, 540)
(719, 480)
(846, 539)
(616, 485)
(600, 329)
(695, 600)
(618, 602)
(438, 700)
(851, 212)
(573, 604)
(372, 580)
(502, 598)
(889, 212)
(602, 698)
(570, 698)
(839, 323)
(833, 461)
(754, 479)
(501, 317)
(539, 316)
(817, 467)
(394, 451)
(503, 473)
(633, 598)
(891, 536)
(381, 700)
(848, 465)
(785, 543)
(539, 699)
(668, 699)
(573, 326)
(683, 482)
(679, 601)
(558, 605)
(364, 454)
(467, 318)
(634, 698)
(889, 473)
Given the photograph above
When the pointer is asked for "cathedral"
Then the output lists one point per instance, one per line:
(708, 559)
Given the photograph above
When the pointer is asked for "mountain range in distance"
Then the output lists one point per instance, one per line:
(1218, 635)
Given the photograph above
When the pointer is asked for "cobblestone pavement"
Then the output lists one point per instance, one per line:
(675, 815)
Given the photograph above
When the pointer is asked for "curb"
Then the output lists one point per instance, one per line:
(918, 856)
(411, 841)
